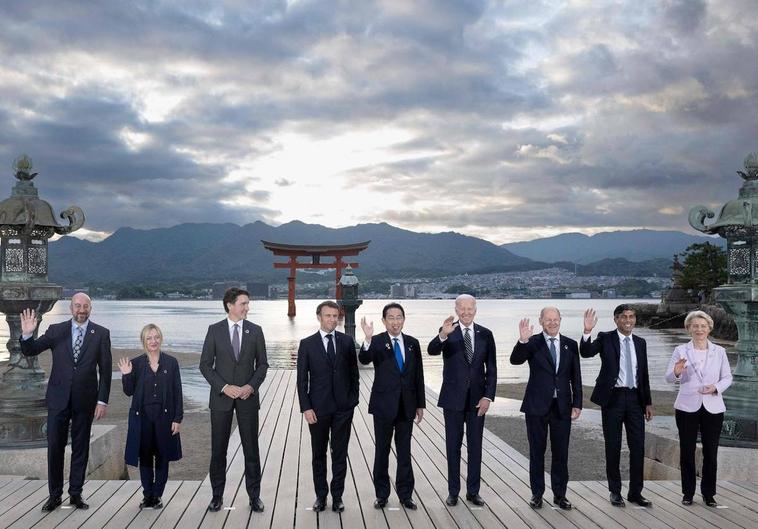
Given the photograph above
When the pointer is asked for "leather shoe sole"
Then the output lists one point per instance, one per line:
(710, 502)
(51, 504)
(475, 499)
(451, 501)
(640, 500)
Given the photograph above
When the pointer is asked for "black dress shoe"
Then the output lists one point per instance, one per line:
(319, 505)
(157, 502)
(51, 504)
(408, 503)
(215, 504)
(256, 504)
(337, 505)
(451, 500)
(563, 503)
(617, 500)
(380, 503)
(76, 501)
(639, 500)
(710, 501)
(686, 500)
(147, 501)
(475, 499)
(536, 502)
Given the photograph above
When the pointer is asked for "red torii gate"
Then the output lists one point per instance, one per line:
(315, 252)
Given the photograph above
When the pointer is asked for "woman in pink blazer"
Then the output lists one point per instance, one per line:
(702, 371)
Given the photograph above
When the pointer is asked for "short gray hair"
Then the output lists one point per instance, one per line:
(542, 312)
(697, 314)
(465, 297)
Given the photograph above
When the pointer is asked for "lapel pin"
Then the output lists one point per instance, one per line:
(92, 331)
(387, 345)
(247, 331)
(165, 371)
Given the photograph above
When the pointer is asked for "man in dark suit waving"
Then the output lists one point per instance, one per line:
(234, 363)
(397, 396)
(327, 387)
(622, 390)
(553, 398)
(78, 390)
(469, 381)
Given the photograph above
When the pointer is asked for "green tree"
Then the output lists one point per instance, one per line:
(703, 268)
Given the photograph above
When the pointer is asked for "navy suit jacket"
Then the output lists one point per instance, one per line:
(389, 383)
(80, 383)
(218, 366)
(171, 401)
(608, 347)
(544, 381)
(321, 386)
(458, 377)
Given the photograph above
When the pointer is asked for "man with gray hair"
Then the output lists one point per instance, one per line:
(469, 381)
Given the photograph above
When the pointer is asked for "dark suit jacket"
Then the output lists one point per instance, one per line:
(321, 386)
(608, 347)
(389, 383)
(219, 368)
(458, 377)
(543, 380)
(79, 383)
(171, 402)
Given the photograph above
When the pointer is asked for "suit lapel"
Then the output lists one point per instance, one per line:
(86, 339)
(69, 340)
(410, 354)
(546, 351)
(227, 340)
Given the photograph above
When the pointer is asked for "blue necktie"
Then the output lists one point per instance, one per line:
(398, 354)
(554, 353)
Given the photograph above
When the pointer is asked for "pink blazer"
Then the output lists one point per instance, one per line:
(715, 371)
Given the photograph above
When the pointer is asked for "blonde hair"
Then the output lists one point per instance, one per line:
(698, 314)
(146, 329)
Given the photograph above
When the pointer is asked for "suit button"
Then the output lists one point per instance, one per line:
(165, 411)
(137, 413)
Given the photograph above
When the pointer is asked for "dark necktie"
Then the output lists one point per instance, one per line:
(330, 354)
(469, 346)
(236, 342)
(78, 343)
(398, 354)
(554, 353)
(629, 369)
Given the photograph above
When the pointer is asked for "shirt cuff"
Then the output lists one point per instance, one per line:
(441, 338)
(489, 399)
(223, 388)
(100, 402)
(26, 336)
(523, 342)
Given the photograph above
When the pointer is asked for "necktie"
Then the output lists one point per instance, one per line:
(78, 343)
(629, 370)
(469, 346)
(330, 354)
(236, 342)
(398, 354)
(554, 353)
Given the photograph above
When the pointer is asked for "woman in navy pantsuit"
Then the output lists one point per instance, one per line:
(155, 416)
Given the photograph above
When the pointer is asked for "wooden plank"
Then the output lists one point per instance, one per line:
(111, 513)
(12, 487)
(66, 518)
(646, 517)
(353, 514)
(177, 504)
(600, 509)
(734, 512)
(305, 518)
(34, 513)
(9, 508)
(747, 497)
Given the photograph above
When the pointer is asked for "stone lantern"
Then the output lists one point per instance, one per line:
(738, 224)
(26, 224)
(349, 302)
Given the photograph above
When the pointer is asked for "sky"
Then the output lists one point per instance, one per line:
(506, 120)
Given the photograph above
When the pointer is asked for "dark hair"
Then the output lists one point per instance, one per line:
(621, 308)
(231, 295)
(393, 305)
(328, 303)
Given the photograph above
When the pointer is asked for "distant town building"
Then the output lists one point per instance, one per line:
(578, 295)
(400, 291)
(258, 290)
(220, 287)
(273, 292)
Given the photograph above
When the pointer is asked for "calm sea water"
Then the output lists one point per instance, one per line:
(184, 324)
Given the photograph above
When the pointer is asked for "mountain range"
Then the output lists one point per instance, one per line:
(217, 252)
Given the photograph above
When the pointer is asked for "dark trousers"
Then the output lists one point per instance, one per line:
(537, 431)
(338, 427)
(402, 427)
(221, 429)
(709, 425)
(454, 422)
(624, 409)
(58, 422)
(153, 464)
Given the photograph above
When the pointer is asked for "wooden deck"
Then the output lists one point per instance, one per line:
(287, 488)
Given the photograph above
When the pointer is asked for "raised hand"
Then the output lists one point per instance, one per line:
(28, 321)
(525, 330)
(448, 326)
(680, 365)
(124, 365)
(590, 320)
(368, 329)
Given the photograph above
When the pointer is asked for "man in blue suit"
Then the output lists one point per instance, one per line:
(77, 392)
(397, 396)
(553, 398)
(469, 381)
(327, 387)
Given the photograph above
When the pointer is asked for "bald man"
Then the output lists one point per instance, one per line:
(77, 392)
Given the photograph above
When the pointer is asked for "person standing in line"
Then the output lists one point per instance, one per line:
(234, 363)
(155, 416)
(469, 382)
(622, 390)
(77, 391)
(327, 388)
(397, 396)
(553, 398)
